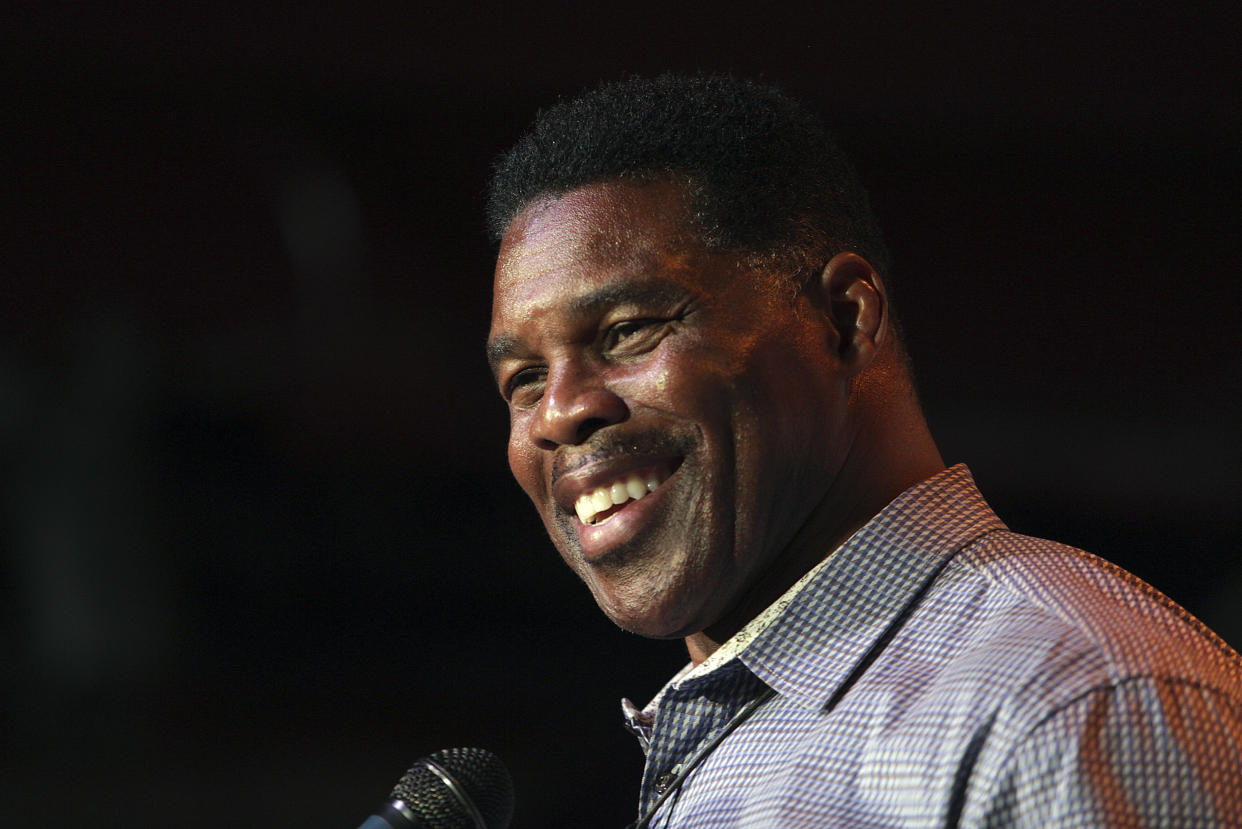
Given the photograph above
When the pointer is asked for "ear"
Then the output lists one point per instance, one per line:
(853, 297)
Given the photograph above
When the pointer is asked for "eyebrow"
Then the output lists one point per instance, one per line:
(500, 348)
(639, 290)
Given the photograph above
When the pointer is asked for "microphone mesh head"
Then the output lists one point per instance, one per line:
(482, 776)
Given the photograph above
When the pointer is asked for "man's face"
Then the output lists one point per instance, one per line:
(674, 416)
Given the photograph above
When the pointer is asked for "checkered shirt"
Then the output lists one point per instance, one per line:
(939, 670)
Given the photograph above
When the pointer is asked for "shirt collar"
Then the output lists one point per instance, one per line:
(865, 588)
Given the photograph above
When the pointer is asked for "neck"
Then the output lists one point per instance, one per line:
(880, 465)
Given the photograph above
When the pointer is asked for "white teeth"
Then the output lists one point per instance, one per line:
(596, 501)
(617, 493)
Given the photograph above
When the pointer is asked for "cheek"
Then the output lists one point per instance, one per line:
(524, 464)
(687, 380)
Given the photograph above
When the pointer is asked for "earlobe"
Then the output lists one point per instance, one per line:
(853, 296)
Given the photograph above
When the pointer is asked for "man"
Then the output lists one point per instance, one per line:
(712, 411)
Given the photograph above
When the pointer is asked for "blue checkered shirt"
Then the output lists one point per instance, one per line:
(939, 670)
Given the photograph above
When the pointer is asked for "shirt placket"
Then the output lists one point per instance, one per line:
(689, 717)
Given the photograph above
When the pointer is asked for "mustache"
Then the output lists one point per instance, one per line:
(655, 444)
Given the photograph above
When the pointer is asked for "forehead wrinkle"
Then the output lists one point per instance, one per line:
(636, 289)
(622, 253)
(583, 234)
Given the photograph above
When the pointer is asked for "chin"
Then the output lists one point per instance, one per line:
(649, 628)
(653, 616)
(652, 587)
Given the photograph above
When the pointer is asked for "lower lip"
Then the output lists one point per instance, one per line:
(595, 540)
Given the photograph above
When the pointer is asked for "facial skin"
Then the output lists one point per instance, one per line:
(629, 352)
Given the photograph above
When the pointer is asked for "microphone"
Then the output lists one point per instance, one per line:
(457, 788)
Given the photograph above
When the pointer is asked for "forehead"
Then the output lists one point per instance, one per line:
(609, 224)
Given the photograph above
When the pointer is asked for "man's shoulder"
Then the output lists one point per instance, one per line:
(1056, 622)
(1018, 637)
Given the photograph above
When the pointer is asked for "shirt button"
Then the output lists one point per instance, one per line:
(664, 781)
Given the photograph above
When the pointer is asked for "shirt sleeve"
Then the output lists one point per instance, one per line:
(1144, 752)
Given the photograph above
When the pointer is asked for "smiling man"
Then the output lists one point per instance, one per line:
(712, 411)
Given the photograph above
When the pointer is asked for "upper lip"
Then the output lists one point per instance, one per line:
(596, 471)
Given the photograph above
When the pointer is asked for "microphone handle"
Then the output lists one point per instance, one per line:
(390, 817)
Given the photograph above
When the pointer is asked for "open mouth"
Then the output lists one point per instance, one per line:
(598, 505)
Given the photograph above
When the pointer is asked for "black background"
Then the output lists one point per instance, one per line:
(259, 548)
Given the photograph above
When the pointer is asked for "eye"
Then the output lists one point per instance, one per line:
(633, 336)
(625, 330)
(525, 386)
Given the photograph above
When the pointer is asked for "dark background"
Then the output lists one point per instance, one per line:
(258, 546)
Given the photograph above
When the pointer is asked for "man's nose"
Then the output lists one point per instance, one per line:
(576, 404)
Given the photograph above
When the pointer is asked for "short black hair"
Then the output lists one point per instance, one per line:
(765, 175)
